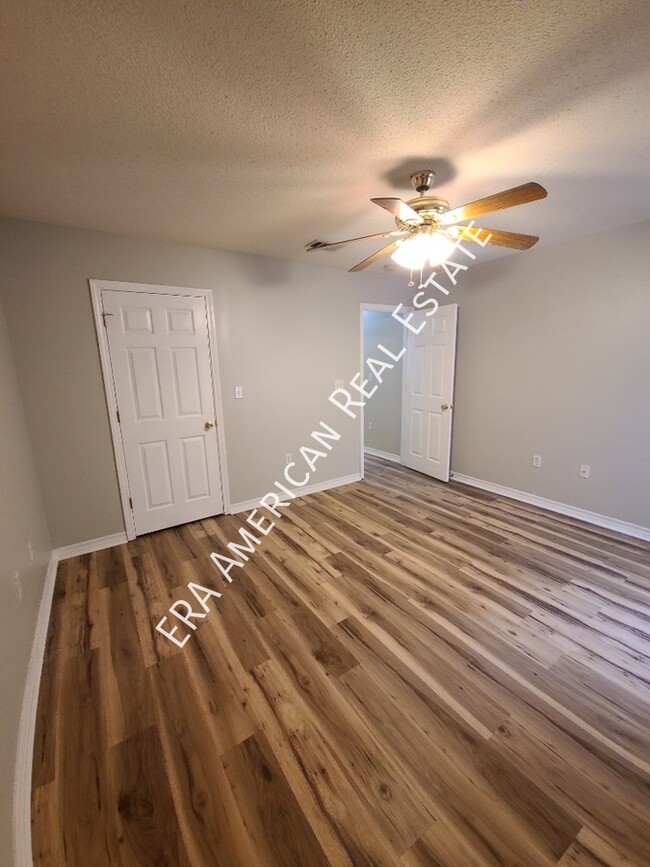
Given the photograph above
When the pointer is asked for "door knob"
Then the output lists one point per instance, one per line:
(447, 406)
(208, 425)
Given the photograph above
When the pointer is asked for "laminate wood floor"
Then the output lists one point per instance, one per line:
(406, 673)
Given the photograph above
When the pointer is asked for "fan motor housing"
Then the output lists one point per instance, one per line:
(429, 205)
(430, 208)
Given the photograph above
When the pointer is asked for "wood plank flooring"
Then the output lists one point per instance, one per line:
(405, 673)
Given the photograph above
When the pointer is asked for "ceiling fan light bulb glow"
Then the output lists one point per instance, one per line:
(415, 252)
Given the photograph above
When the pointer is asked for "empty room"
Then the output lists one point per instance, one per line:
(325, 434)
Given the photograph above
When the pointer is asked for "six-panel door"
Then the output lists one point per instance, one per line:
(428, 388)
(162, 371)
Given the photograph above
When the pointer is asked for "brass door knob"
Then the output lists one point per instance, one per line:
(209, 425)
(447, 406)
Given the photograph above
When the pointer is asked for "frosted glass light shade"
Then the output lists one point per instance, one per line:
(415, 252)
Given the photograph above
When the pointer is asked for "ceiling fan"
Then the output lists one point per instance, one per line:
(427, 230)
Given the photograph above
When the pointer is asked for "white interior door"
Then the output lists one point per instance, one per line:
(428, 393)
(161, 362)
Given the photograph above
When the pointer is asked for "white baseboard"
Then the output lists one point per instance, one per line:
(561, 508)
(22, 809)
(247, 505)
(88, 547)
(387, 456)
(22, 817)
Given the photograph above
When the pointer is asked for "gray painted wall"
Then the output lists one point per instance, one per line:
(554, 359)
(384, 410)
(21, 518)
(286, 332)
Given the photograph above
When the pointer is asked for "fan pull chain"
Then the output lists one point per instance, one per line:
(421, 284)
(410, 282)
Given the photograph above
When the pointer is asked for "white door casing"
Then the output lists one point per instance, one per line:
(428, 393)
(162, 370)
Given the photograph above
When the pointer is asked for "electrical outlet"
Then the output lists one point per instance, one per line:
(288, 457)
(338, 383)
(30, 549)
(584, 471)
(19, 585)
(537, 461)
(369, 425)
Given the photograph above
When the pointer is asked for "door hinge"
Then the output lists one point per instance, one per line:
(117, 413)
(131, 503)
(104, 315)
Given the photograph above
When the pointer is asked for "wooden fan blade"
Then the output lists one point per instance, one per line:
(500, 239)
(399, 209)
(326, 245)
(506, 199)
(375, 256)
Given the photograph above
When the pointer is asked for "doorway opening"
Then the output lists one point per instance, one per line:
(409, 418)
(381, 420)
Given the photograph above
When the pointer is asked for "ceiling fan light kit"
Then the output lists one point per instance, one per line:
(422, 247)
(428, 231)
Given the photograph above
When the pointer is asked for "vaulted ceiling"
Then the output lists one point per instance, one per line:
(258, 126)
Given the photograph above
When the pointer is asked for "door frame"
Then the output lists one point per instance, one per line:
(382, 308)
(110, 393)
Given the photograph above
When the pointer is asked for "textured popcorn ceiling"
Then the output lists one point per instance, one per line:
(259, 126)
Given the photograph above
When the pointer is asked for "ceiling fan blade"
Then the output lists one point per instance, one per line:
(375, 256)
(500, 239)
(506, 199)
(325, 245)
(399, 209)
